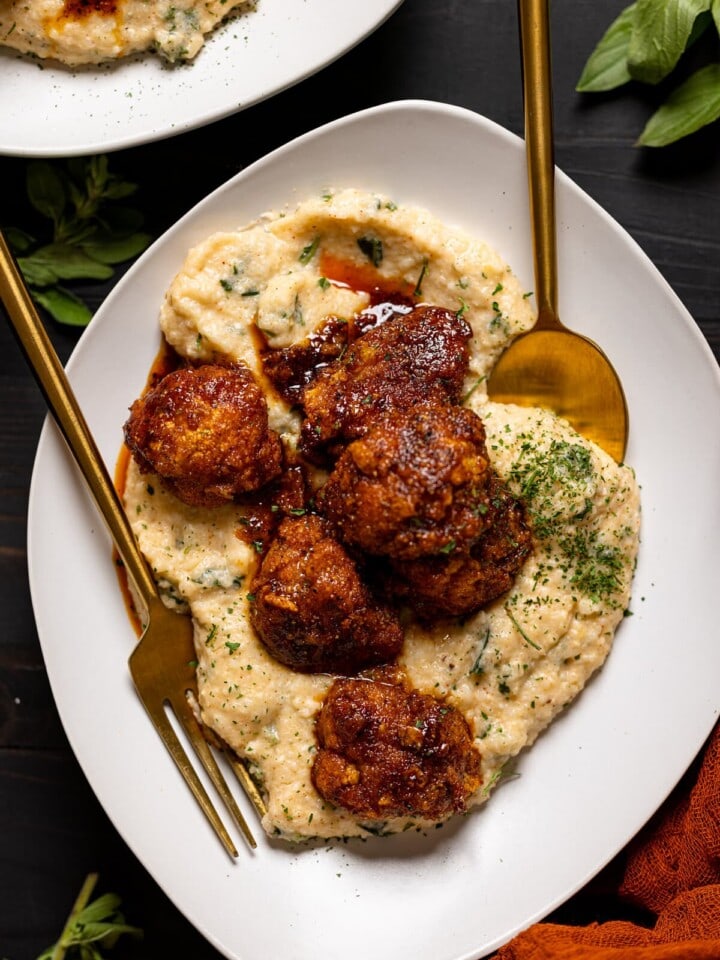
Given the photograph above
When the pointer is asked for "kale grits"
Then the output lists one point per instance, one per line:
(510, 667)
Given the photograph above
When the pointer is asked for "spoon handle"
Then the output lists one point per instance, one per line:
(537, 101)
(64, 407)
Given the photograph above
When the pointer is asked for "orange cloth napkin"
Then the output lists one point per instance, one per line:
(668, 883)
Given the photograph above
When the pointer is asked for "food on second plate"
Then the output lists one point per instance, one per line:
(81, 32)
(383, 626)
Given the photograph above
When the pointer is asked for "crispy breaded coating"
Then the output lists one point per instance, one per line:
(414, 485)
(386, 750)
(412, 356)
(291, 369)
(204, 431)
(462, 583)
(312, 610)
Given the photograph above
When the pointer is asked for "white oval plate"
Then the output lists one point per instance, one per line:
(599, 772)
(49, 110)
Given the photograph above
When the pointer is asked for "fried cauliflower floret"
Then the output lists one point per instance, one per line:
(204, 431)
(412, 356)
(291, 369)
(312, 610)
(414, 485)
(462, 583)
(386, 750)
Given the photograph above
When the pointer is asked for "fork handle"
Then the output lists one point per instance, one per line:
(64, 407)
(537, 104)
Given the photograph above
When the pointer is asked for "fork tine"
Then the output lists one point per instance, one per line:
(247, 783)
(185, 715)
(170, 739)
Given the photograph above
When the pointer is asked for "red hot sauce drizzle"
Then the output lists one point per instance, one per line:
(287, 371)
(290, 369)
(82, 9)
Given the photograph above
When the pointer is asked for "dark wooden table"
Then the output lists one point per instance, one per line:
(52, 829)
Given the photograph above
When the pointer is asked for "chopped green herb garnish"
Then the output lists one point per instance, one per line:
(448, 547)
(309, 251)
(372, 247)
(472, 389)
(417, 292)
(520, 630)
(477, 668)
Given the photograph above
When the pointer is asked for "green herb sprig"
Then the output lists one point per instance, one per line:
(88, 232)
(645, 43)
(92, 927)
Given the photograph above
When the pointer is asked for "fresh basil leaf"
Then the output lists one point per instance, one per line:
(102, 908)
(99, 932)
(96, 175)
(117, 249)
(118, 190)
(20, 241)
(693, 105)
(90, 927)
(715, 11)
(46, 190)
(79, 200)
(661, 32)
(63, 306)
(76, 232)
(36, 274)
(69, 263)
(606, 67)
(372, 247)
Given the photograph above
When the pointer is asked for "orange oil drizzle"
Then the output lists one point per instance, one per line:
(165, 361)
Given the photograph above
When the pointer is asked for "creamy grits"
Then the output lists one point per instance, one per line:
(509, 668)
(78, 32)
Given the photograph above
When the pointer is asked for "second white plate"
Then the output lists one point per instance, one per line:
(56, 111)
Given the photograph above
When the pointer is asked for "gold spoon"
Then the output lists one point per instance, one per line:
(550, 366)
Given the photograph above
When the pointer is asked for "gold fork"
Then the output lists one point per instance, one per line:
(161, 664)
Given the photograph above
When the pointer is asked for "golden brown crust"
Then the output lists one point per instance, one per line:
(386, 750)
(415, 485)
(312, 610)
(463, 582)
(408, 358)
(204, 431)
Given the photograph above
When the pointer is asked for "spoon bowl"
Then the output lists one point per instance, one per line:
(569, 374)
(550, 365)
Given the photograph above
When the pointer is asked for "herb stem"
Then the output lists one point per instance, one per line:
(520, 630)
(81, 901)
